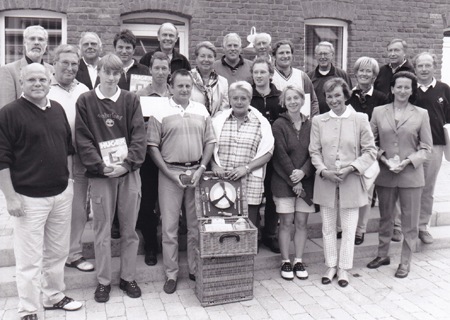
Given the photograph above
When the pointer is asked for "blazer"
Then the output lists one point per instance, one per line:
(350, 137)
(83, 76)
(10, 86)
(410, 138)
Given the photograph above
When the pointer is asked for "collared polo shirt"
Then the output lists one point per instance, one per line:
(180, 134)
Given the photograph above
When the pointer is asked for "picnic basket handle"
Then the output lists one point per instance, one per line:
(232, 235)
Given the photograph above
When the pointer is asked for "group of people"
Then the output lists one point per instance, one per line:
(73, 138)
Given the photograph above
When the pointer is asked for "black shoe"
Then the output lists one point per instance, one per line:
(378, 262)
(30, 317)
(339, 235)
(191, 276)
(102, 293)
(170, 286)
(402, 271)
(150, 258)
(131, 288)
(359, 239)
(272, 244)
(115, 232)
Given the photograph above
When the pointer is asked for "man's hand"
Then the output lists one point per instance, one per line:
(333, 176)
(14, 206)
(196, 177)
(297, 175)
(114, 171)
(237, 173)
(176, 178)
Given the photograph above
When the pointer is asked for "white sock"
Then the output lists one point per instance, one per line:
(298, 260)
(283, 261)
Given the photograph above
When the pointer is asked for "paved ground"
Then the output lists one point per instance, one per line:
(372, 294)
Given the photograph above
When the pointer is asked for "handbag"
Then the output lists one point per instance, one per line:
(447, 141)
(371, 173)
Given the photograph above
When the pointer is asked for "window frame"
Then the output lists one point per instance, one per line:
(152, 29)
(29, 14)
(330, 23)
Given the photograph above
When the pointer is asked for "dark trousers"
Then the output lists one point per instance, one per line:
(148, 220)
(270, 213)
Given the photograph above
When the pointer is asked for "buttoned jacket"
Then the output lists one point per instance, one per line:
(10, 86)
(351, 141)
(409, 138)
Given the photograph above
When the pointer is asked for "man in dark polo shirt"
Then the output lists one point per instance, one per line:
(434, 96)
(35, 151)
(167, 37)
(232, 65)
(396, 50)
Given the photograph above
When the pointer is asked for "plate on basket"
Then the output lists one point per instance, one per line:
(223, 195)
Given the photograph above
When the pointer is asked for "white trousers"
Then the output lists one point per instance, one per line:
(349, 220)
(41, 247)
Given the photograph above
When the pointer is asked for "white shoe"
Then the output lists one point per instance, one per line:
(300, 271)
(66, 303)
(286, 271)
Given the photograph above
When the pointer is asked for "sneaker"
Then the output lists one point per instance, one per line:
(65, 303)
(300, 271)
(131, 288)
(286, 271)
(102, 293)
(426, 237)
(397, 236)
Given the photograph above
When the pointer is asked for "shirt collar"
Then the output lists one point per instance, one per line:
(368, 93)
(47, 105)
(29, 61)
(54, 82)
(176, 105)
(394, 69)
(240, 63)
(425, 88)
(100, 95)
(88, 64)
(345, 115)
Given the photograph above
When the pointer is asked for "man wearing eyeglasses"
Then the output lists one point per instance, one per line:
(91, 46)
(65, 90)
(325, 71)
(35, 43)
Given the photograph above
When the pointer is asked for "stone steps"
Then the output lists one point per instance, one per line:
(265, 259)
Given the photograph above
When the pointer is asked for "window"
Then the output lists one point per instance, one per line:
(13, 23)
(334, 31)
(145, 27)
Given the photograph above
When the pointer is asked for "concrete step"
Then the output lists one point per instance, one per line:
(440, 217)
(265, 259)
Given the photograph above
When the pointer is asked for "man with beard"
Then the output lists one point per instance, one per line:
(167, 37)
(35, 42)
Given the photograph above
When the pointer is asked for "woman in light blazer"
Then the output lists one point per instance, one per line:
(342, 148)
(403, 136)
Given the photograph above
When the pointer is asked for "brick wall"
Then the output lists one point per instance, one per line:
(371, 23)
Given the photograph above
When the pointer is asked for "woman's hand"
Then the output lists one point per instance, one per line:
(298, 188)
(401, 166)
(218, 171)
(297, 175)
(237, 173)
(344, 172)
(333, 176)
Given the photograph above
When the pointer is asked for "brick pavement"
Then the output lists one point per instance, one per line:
(372, 294)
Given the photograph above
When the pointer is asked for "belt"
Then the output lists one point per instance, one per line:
(185, 164)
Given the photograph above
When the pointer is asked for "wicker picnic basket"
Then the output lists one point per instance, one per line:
(224, 243)
(224, 280)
